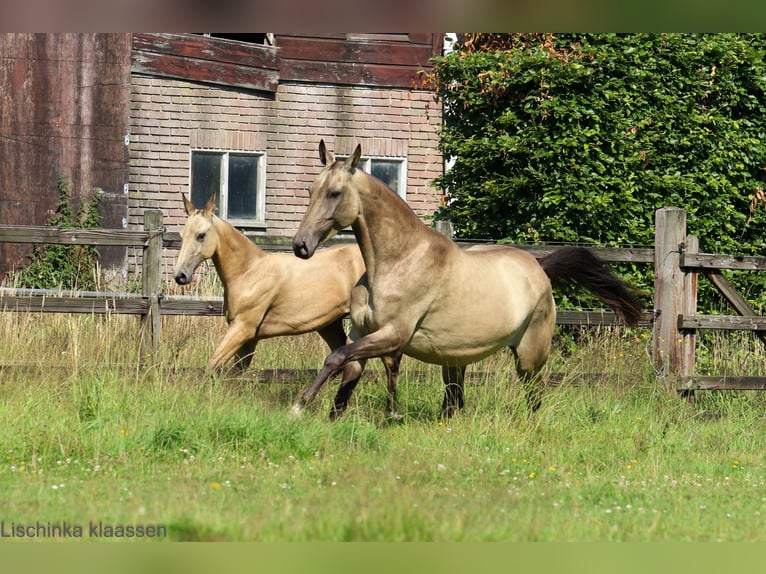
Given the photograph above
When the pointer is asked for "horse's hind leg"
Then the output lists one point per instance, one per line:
(453, 378)
(533, 387)
(392, 374)
(531, 354)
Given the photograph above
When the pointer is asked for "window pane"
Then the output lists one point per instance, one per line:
(243, 186)
(206, 178)
(386, 171)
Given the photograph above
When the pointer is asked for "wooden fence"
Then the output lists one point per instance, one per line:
(677, 265)
(675, 258)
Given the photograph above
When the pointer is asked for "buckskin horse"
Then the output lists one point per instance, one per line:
(425, 297)
(273, 294)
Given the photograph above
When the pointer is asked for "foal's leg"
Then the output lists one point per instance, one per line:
(239, 334)
(453, 389)
(244, 356)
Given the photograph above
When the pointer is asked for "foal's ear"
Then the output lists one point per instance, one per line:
(325, 156)
(210, 205)
(353, 161)
(188, 205)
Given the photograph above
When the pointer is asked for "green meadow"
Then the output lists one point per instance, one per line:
(93, 435)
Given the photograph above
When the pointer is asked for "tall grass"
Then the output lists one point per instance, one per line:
(94, 433)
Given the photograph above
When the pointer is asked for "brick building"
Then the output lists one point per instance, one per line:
(241, 114)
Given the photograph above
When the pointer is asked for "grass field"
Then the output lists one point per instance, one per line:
(91, 439)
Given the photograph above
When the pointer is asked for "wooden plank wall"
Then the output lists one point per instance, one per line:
(391, 60)
(63, 113)
(204, 59)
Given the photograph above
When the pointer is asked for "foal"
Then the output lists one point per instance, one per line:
(276, 294)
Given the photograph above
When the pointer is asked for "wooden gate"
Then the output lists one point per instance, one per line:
(677, 265)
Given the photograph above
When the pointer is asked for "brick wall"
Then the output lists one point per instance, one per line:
(170, 117)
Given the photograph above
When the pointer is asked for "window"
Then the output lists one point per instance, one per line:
(392, 172)
(237, 179)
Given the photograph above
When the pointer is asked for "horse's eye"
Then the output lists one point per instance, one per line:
(200, 237)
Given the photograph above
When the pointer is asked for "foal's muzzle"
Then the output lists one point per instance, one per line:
(182, 278)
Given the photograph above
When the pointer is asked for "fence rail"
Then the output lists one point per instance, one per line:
(152, 300)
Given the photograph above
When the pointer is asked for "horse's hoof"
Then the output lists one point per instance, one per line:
(296, 411)
(395, 416)
(335, 414)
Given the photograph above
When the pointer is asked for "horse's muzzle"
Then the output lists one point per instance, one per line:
(301, 249)
(182, 278)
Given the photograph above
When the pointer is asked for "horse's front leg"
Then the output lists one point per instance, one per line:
(239, 335)
(385, 341)
(335, 337)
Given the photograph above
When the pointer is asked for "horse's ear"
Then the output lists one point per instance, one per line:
(325, 156)
(210, 205)
(188, 205)
(353, 161)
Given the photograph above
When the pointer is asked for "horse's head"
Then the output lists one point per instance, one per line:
(333, 205)
(198, 240)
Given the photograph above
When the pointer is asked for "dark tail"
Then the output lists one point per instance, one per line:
(581, 267)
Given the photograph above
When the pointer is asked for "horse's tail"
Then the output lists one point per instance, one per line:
(581, 267)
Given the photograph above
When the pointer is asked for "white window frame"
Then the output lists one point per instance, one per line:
(223, 193)
(366, 161)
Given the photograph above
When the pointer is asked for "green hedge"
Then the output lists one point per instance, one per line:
(579, 138)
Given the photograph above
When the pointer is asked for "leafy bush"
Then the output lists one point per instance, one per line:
(579, 138)
(64, 266)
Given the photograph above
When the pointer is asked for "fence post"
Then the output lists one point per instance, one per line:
(151, 286)
(689, 307)
(670, 234)
(444, 227)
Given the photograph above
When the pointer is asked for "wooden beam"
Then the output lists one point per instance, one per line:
(734, 298)
(151, 280)
(722, 322)
(670, 235)
(689, 307)
(90, 305)
(725, 383)
(714, 261)
(209, 60)
(174, 305)
(196, 47)
(349, 73)
(356, 50)
(596, 318)
(730, 293)
(102, 237)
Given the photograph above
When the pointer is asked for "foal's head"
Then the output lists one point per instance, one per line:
(334, 202)
(198, 240)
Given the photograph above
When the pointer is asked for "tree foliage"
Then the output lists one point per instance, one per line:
(579, 138)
